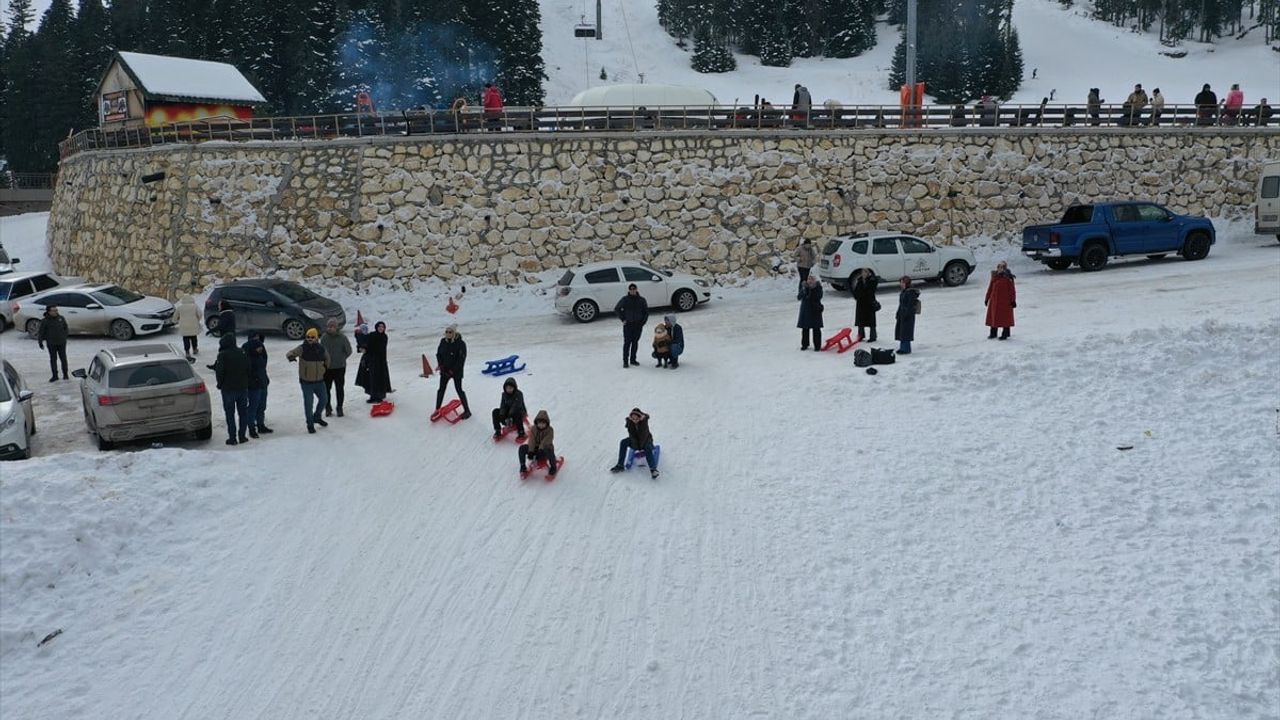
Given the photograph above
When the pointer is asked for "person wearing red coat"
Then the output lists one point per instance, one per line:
(491, 98)
(1002, 298)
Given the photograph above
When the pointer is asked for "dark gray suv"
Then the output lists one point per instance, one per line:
(272, 306)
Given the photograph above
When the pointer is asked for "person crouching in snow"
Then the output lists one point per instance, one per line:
(661, 344)
(510, 410)
(541, 445)
(1002, 298)
(639, 439)
(677, 339)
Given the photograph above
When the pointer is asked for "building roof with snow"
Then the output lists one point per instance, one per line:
(175, 79)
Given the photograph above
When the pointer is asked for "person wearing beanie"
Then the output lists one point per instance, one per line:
(510, 410)
(633, 311)
(231, 370)
(256, 351)
(312, 362)
(676, 334)
(639, 439)
(451, 359)
(661, 344)
(541, 445)
(1206, 106)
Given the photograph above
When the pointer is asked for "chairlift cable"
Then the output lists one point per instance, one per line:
(627, 28)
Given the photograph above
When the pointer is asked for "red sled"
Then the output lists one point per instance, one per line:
(382, 409)
(450, 412)
(842, 341)
(509, 429)
(542, 464)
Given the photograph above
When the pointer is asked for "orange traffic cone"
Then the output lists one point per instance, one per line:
(452, 307)
(426, 367)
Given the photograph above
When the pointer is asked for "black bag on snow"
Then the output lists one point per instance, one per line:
(861, 358)
(882, 356)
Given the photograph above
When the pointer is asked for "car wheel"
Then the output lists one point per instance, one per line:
(1059, 264)
(1094, 257)
(585, 311)
(294, 329)
(121, 330)
(1158, 256)
(684, 300)
(205, 432)
(955, 273)
(211, 323)
(1197, 247)
(33, 328)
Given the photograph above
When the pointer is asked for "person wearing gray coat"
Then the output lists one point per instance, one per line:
(335, 375)
(801, 104)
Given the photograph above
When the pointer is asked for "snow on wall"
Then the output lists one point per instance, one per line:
(504, 210)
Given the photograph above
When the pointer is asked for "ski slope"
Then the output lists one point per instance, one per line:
(1071, 52)
(957, 536)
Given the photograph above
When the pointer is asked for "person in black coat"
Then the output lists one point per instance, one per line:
(865, 303)
(451, 357)
(232, 371)
(810, 321)
(1206, 106)
(226, 321)
(258, 382)
(373, 374)
(53, 332)
(510, 410)
(677, 339)
(633, 311)
(904, 330)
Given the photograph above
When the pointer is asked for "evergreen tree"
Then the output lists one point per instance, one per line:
(60, 101)
(775, 42)
(128, 25)
(851, 28)
(711, 54)
(92, 48)
(21, 102)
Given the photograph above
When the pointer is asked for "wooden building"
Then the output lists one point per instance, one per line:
(153, 90)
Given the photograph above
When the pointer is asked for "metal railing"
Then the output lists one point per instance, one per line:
(709, 118)
(26, 181)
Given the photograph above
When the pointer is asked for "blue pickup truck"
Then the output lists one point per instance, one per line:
(1089, 235)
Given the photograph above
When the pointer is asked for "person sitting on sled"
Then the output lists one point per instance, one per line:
(540, 445)
(638, 439)
(510, 410)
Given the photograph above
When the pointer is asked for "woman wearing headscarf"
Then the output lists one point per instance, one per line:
(1002, 298)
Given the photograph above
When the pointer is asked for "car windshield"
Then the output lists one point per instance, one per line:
(296, 293)
(139, 376)
(115, 295)
(650, 268)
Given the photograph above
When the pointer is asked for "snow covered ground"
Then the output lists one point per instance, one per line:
(957, 536)
(1071, 52)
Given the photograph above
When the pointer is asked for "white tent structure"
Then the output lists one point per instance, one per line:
(649, 96)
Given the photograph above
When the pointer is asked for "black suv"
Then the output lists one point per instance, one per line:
(271, 305)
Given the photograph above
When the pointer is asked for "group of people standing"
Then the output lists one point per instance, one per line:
(668, 336)
(1000, 301)
(1209, 110)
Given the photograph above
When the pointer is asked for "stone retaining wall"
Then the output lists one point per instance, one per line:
(499, 208)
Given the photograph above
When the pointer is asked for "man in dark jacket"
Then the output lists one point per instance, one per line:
(232, 372)
(258, 382)
(510, 410)
(676, 333)
(451, 358)
(335, 378)
(639, 439)
(633, 311)
(1206, 106)
(53, 332)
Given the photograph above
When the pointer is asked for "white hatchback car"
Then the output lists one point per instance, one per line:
(98, 310)
(890, 255)
(17, 419)
(586, 291)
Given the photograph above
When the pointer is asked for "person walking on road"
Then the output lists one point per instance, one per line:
(53, 334)
(231, 370)
(312, 362)
(810, 320)
(633, 311)
(189, 319)
(335, 377)
(1002, 298)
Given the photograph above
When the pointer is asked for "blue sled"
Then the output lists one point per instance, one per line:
(637, 456)
(504, 366)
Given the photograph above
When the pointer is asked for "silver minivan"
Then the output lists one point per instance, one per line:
(143, 391)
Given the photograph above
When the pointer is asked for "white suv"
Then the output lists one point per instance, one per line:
(586, 291)
(890, 255)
